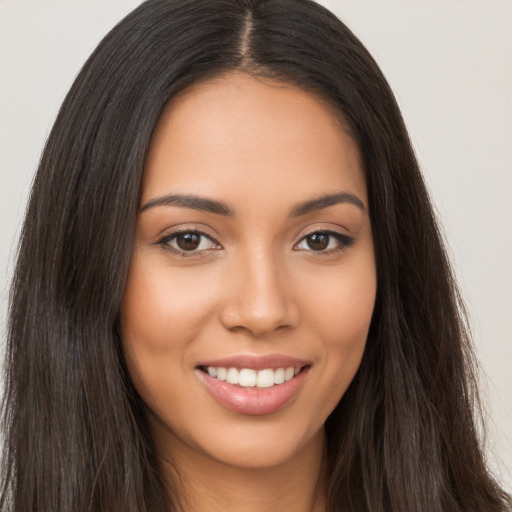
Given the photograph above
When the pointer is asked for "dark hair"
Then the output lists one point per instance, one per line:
(403, 438)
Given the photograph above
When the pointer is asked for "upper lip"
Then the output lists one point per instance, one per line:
(272, 361)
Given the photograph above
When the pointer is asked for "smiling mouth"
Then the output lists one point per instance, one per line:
(254, 386)
(250, 378)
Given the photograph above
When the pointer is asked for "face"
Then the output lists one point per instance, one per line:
(252, 282)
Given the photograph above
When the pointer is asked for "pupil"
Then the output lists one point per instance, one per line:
(188, 241)
(318, 241)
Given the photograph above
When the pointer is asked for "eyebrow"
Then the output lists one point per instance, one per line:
(190, 201)
(220, 208)
(325, 201)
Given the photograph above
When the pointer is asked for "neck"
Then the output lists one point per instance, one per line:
(206, 484)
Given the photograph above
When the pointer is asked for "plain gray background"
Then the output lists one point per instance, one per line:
(450, 65)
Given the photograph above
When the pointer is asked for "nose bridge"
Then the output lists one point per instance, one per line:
(258, 298)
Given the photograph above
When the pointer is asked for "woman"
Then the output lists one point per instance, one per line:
(231, 292)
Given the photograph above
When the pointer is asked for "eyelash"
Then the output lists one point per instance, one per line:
(167, 239)
(344, 242)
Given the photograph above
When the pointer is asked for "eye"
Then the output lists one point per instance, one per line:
(188, 242)
(325, 241)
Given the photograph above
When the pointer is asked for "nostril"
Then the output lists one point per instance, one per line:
(259, 321)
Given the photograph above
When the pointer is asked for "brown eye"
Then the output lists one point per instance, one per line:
(325, 242)
(188, 241)
(318, 241)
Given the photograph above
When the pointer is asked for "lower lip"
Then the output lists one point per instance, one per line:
(253, 401)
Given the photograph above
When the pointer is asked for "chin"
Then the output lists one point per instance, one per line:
(247, 443)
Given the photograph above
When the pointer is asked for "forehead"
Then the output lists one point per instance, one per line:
(234, 134)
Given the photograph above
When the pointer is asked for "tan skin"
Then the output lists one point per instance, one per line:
(270, 278)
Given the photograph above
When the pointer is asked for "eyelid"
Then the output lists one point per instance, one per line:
(345, 240)
(164, 240)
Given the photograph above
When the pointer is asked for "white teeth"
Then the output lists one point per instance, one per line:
(247, 377)
(233, 376)
(279, 376)
(265, 378)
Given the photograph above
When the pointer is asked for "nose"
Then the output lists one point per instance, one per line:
(257, 297)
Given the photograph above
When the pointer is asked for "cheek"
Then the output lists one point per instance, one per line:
(342, 318)
(342, 307)
(158, 323)
(160, 303)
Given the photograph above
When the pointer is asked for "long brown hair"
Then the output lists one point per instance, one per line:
(403, 438)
